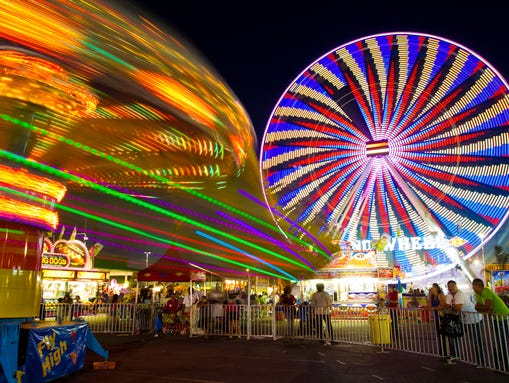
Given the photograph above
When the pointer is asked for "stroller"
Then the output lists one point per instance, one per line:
(171, 324)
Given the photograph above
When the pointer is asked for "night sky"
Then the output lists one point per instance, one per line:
(259, 48)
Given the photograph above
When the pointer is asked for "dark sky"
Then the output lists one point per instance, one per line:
(259, 48)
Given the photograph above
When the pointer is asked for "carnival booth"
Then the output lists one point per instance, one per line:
(68, 267)
(36, 351)
(352, 279)
(171, 271)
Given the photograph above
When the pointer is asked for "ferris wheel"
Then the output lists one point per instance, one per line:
(398, 140)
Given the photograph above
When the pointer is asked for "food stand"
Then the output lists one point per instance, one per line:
(67, 266)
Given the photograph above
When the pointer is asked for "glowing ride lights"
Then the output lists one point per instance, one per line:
(38, 81)
(29, 198)
(392, 133)
(158, 99)
(377, 148)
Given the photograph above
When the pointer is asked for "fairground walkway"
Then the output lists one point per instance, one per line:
(218, 359)
(484, 343)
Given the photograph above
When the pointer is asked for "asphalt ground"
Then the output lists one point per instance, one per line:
(180, 359)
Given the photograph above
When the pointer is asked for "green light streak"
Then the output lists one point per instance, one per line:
(109, 55)
(136, 231)
(13, 231)
(159, 178)
(135, 201)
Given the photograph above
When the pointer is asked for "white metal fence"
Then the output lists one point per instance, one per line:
(484, 342)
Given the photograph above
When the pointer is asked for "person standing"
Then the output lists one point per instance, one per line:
(490, 304)
(66, 306)
(454, 301)
(473, 325)
(392, 301)
(188, 304)
(322, 305)
(436, 304)
(288, 302)
(231, 317)
(204, 315)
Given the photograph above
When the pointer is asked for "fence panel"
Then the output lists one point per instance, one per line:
(484, 343)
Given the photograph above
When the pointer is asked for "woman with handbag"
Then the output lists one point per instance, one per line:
(436, 304)
(451, 326)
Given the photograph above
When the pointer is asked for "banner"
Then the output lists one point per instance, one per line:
(198, 276)
(386, 273)
(55, 351)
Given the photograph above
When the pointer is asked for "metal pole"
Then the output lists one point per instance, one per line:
(248, 305)
(147, 253)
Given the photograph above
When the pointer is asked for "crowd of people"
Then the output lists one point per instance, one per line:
(211, 312)
(467, 310)
(459, 316)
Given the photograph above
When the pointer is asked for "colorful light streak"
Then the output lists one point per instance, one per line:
(68, 176)
(267, 237)
(116, 213)
(322, 250)
(167, 241)
(292, 278)
(115, 66)
(158, 177)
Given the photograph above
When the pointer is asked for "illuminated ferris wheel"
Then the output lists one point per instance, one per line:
(400, 140)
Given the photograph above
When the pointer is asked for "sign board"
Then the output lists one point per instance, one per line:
(198, 275)
(66, 254)
(54, 351)
(386, 273)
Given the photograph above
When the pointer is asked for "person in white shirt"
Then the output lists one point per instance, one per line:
(321, 304)
(192, 297)
(454, 302)
(473, 322)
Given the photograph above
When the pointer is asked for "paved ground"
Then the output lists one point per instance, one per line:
(178, 359)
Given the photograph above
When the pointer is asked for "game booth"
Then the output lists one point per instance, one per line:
(33, 351)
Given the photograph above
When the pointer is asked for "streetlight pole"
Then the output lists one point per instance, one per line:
(147, 253)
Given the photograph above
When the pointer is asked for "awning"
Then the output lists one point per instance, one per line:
(167, 269)
(164, 271)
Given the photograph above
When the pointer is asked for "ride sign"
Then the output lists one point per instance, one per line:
(55, 351)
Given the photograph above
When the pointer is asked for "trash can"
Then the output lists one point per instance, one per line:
(380, 328)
